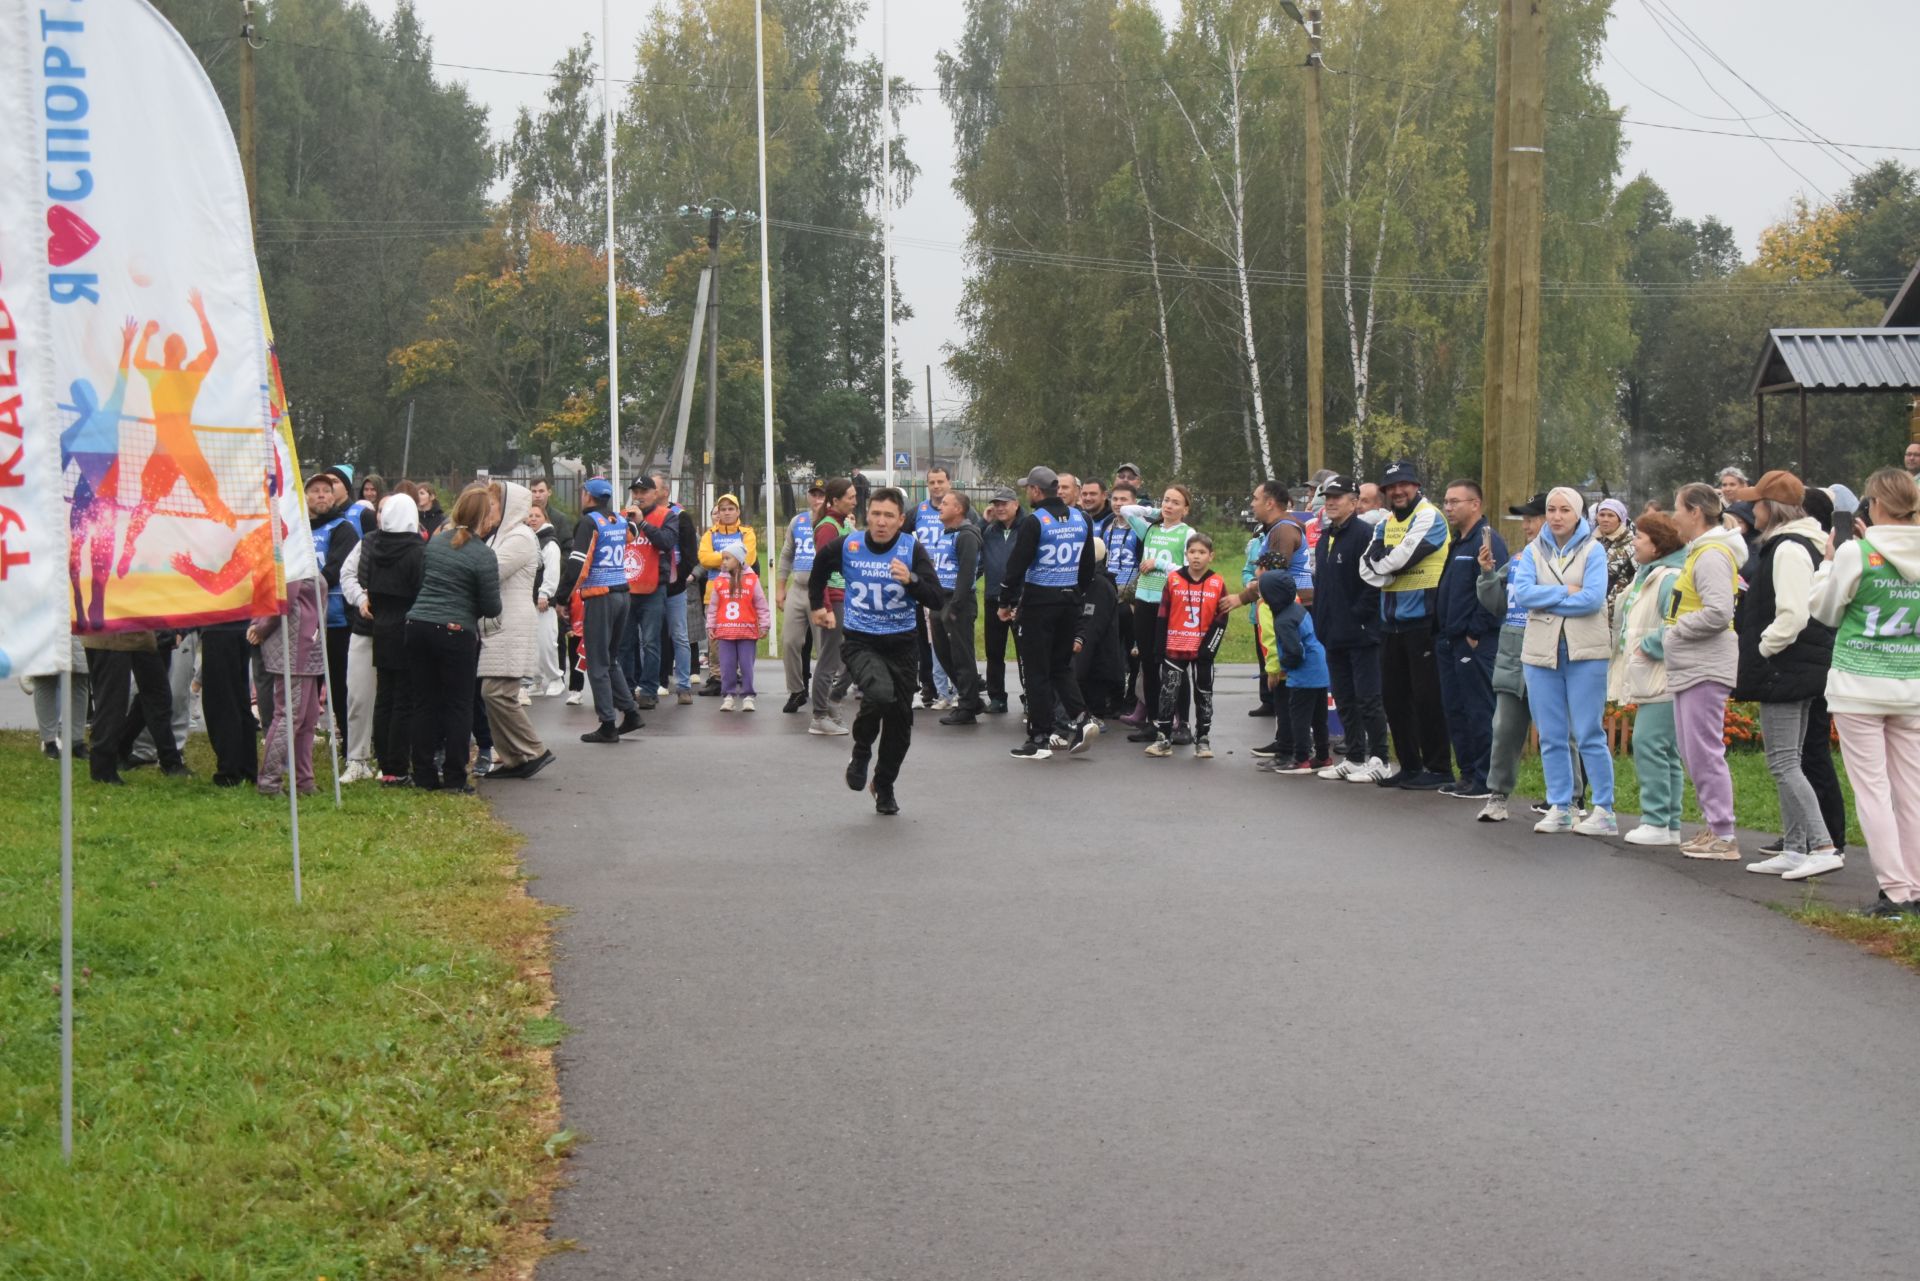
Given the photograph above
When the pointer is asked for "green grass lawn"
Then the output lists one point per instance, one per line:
(356, 1088)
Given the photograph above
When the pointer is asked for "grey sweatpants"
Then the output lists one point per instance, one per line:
(46, 700)
(793, 631)
(605, 622)
(826, 661)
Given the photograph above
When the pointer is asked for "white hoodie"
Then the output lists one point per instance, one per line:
(1833, 590)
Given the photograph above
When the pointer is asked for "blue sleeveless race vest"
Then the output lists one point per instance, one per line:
(875, 603)
(803, 548)
(336, 602)
(1123, 551)
(609, 567)
(1063, 540)
(926, 523)
(945, 568)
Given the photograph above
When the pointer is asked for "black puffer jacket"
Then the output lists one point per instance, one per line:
(1800, 670)
(391, 566)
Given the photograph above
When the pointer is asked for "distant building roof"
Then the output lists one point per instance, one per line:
(1839, 360)
(1904, 312)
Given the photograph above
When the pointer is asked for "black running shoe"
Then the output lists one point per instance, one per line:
(629, 723)
(1031, 750)
(605, 733)
(883, 802)
(857, 770)
(1268, 750)
(794, 702)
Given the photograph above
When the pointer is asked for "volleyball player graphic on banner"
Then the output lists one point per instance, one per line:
(174, 443)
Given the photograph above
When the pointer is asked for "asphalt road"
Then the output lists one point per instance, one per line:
(1121, 1018)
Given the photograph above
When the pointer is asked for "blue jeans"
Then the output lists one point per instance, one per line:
(1466, 692)
(675, 608)
(646, 613)
(1569, 702)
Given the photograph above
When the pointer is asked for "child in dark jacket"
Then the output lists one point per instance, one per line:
(1297, 660)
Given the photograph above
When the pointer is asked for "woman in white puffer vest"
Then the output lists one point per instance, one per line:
(1561, 581)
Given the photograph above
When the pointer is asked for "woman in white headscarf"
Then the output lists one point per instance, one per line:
(1561, 581)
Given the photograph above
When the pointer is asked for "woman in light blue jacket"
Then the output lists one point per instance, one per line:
(1561, 581)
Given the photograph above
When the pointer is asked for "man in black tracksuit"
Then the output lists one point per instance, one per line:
(996, 544)
(1346, 617)
(1045, 582)
(879, 649)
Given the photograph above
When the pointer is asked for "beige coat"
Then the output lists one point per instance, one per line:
(507, 649)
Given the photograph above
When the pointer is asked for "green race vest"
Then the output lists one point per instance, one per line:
(1880, 632)
(1169, 544)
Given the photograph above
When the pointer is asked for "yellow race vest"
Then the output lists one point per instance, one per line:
(1424, 576)
(1686, 596)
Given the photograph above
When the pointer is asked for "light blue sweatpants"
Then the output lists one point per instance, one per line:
(1569, 702)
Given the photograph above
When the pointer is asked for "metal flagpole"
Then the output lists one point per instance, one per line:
(766, 313)
(66, 912)
(286, 678)
(336, 741)
(613, 306)
(886, 238)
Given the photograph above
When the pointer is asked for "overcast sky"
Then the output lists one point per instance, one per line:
(1839, 66)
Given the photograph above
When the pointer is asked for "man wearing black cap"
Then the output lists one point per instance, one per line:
(996, 544)
(598, 566)
(649, 572)
(1346, 616)
(1405, 560)
(1045, 581)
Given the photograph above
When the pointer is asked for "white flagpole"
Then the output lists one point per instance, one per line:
(286, 675)
(68, 729)
(886, 239)
(336, 741)
(766, 314)
(613, 306)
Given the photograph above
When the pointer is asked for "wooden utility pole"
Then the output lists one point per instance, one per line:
(1513, 437)
(1492, 345)
(247, 47)
(1316, 307)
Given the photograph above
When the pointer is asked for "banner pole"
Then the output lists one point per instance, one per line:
(613, 304)
(286, 722)
(336, 744)
(66, 915)
(766, 318)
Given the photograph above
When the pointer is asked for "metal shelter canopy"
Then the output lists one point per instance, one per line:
(1826, 362)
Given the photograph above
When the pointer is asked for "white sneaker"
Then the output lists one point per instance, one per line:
(826, 725)
(1599, 823)
(662, 692)
(1649, 834)
(555, 689)
(726, 704)
(573, 699)
(1556, 821)
(357, 772)
(1815, 864)
(1783, 862)
(1372, 772)
(1337, 771)
(746, 703)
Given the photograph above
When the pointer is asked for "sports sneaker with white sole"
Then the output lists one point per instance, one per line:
(1599, 823)
(1705, 845)
(1783, 862)
(826, 726)
(1494, 811)
(726, 704)
(1338, 772)
(1160, 747)
(1650, 834)
(573, 699)
(1815, 864)
(1202, 750)
(1555, 822)
(746, 703)
(1374, 771)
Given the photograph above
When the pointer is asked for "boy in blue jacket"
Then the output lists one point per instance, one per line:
(1297, 660)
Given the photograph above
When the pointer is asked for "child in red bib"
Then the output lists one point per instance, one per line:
(737, 617)
(1194, 607)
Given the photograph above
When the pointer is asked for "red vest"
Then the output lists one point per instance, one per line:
(643, 558)
(1190, 608)
(734, 617)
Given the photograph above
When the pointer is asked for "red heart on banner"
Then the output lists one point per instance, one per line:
(69, 237)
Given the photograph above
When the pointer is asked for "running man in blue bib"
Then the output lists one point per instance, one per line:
(889, 577)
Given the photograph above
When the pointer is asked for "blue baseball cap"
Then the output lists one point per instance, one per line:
(597, 487)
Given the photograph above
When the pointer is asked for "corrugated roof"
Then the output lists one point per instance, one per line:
(1833, 360)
